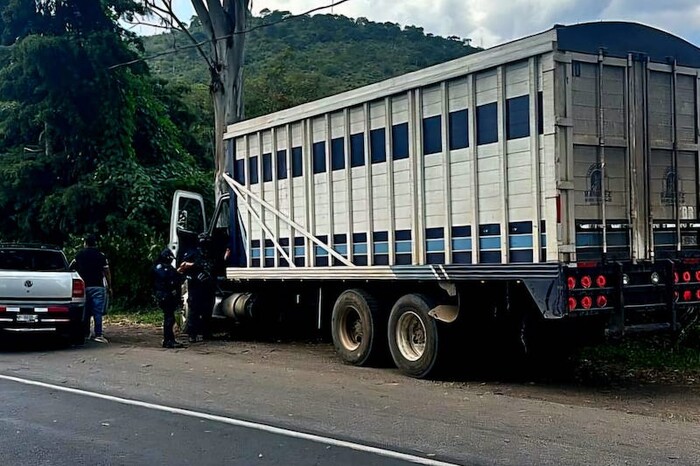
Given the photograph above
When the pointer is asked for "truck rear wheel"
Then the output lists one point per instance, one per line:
(413, 336)
(357, 328)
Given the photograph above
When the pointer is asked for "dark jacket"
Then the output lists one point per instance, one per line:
(166, 280)
(201, 273)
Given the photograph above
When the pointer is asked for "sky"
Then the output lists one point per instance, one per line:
(491, 22)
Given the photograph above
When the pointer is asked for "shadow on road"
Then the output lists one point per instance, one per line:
(20, 344)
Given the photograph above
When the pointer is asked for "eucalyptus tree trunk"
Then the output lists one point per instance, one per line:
(224, 23)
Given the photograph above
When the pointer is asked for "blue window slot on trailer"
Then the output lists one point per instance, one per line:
(432, 135)
(399, 141)
(299, 252)
(490, 244)
(319, 150)
(403, 247)
(377, 139)
(338, 154)
(518, 117)
(459, 129)
(357, 150)
(253, 169)
(435, 245)
(359, 248)
(281, 164)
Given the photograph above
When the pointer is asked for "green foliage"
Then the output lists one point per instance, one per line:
(87, 148)
(660, 356)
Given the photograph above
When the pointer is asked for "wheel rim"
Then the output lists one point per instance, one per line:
(351, 334)
(410, 336)
(181, 316)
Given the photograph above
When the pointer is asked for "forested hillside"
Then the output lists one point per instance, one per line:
(307, 58)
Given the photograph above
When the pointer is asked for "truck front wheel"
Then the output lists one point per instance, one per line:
(356, 328)
(413, 336)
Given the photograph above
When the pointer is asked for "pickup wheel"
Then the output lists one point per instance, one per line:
(182, 313)
(413, 336)
(75, 336)
(357, 328)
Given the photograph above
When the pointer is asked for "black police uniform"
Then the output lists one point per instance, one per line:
(166, 283)
(200, 290)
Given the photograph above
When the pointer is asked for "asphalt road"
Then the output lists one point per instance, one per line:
(45, 426)
(302, 388)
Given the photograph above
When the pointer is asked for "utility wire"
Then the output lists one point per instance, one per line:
(235, 33)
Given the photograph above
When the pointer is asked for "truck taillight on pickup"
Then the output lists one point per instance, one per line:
(78, 288)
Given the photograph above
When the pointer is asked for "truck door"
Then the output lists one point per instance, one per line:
(671, 160)
(601, 157)
(187, 221)
(636, 160)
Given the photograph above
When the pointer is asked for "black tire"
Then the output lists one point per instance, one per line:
(75, 336)
(358, 329)
(414, 340)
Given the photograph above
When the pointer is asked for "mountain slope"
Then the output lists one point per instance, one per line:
(307, 58)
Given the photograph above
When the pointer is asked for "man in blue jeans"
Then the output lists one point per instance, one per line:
(93, 268)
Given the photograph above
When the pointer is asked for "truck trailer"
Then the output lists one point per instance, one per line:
(546, 186)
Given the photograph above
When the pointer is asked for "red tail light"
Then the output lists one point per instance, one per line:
(686, 276)
(587, 302)
(697, 295)
(601, 301)
(676, 278)
(3, 309)
(53, 309)
(586, 281)
(571, 283)
(601, 281)
(558, 208)
(78, 288)
(687, 295)
(697, 276)
(676, 296)
(586, 264)
(572, 304)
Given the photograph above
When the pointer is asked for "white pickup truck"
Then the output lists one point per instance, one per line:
(39, 293)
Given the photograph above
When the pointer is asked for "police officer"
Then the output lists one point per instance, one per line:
(198, 268)
(166, 284)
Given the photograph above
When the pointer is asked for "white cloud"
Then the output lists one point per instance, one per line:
(494, 21)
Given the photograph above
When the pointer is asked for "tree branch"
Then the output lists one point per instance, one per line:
(217, 15)
(203, 15)
(133, 24)
(168, 11)
(227, 36)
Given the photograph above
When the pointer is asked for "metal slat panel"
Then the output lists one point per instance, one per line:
(415, 272)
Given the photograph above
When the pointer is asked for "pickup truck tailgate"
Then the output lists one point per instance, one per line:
(16, 285)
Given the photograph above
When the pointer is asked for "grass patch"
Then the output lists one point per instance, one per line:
(145, 316)
(641, 354)
(652, 359)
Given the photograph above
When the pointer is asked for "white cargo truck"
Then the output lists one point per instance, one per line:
(547, 183)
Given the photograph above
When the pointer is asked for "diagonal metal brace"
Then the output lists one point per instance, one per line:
(244, 193)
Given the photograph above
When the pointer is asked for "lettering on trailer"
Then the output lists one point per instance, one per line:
(594, 180)
(668, 193)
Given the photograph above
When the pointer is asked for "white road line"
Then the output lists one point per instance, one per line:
(238, 423)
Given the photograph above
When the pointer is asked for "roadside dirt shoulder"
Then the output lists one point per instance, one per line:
(666, 395)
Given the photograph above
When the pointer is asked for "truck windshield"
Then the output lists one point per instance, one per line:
(30, 260)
